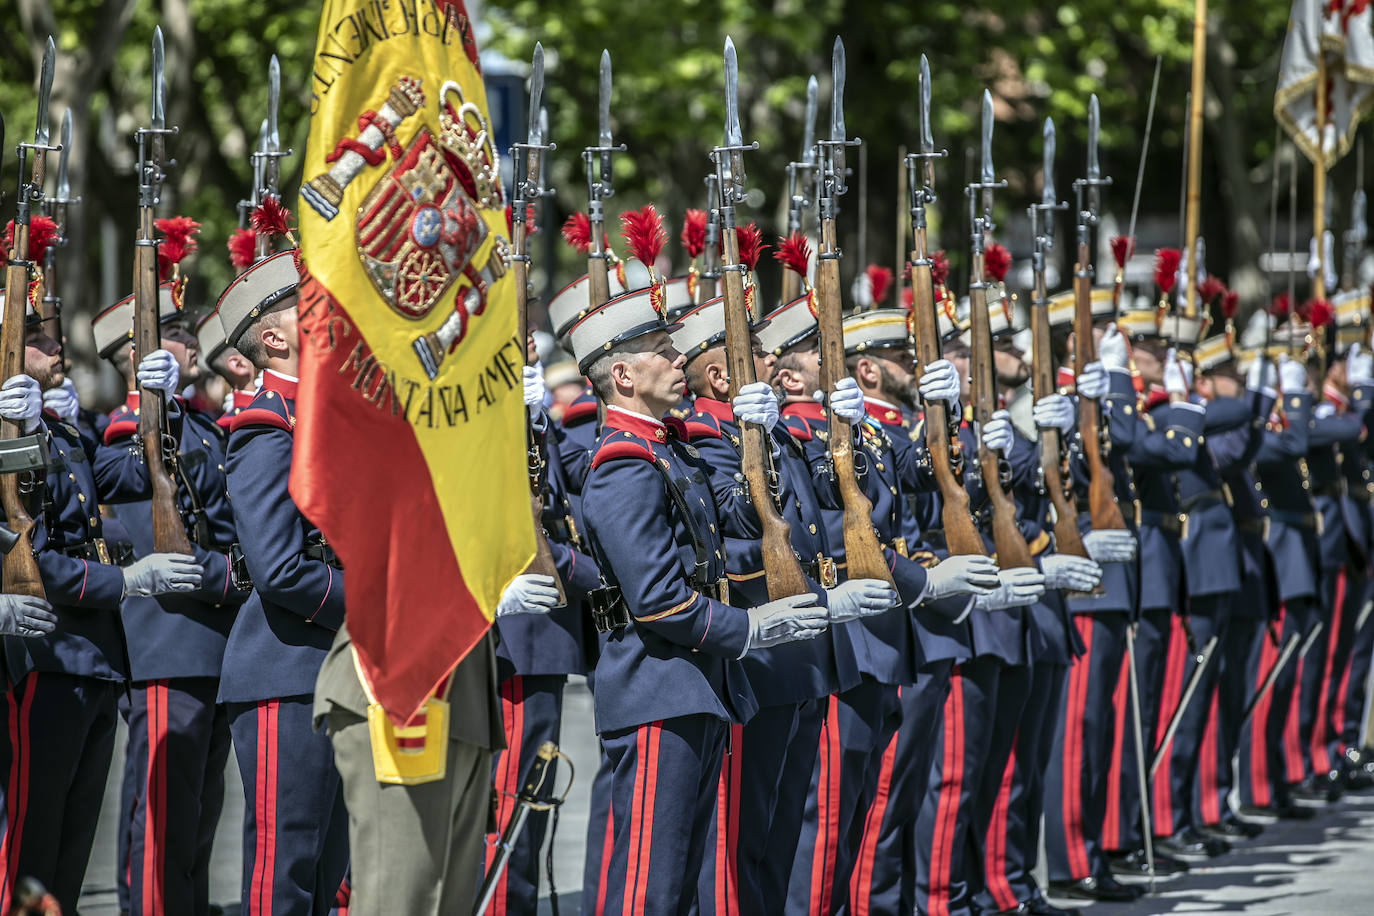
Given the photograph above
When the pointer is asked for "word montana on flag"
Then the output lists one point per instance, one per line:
(410, 439)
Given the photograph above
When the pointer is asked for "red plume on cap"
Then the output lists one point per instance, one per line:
(693, 236)
(178, 241)
(242, 245)
(644, 234)
(879, 281)
(1316, 312)
(908, 298)
(1166, 268)
(794, 253)
(271, 219)
(939, 268)
(577, 232)
(42, 235)
(1211, 289)
(1230, 302)
(749, 238)
(997, 261)
(1122, 246)
(530, 227)
(1281, 306)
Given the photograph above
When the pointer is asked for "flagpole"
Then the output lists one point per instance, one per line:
(1319, 181)
(1193, 202)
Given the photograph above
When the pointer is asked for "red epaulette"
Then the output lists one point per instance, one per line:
(123, 422)
(225, 421)
(621, 445)
(798, 428)
(579, 411)
(702, 426)
(260, 416)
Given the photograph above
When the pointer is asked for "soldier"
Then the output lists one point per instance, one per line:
(60, 710)
(668, 680)
(178, 734)
(295, 841)
(228, 364)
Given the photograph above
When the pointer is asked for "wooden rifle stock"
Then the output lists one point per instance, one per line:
(961, 535)
(1066, 537)
(791, 286)
(782, 572)
(169, 531)
(542, 564)
(20, 571)
(1102, 506)
(1006, 533)
(863, 554)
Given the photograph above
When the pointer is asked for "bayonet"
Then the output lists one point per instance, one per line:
(808, 151)
(600, 186)
(271, 169)
(927, 150)
(64, 186)
(1048, 202)
(801, 171)
(603, 109)
(159, 115)
(988, 180)
(838, 140)
(1094, 169)
(922, 192)
(733, 179)
(536, 135)
(40, 129)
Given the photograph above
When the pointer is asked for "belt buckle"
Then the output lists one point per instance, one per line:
(723, 590)
(1136, 504)
(1319, 523)
(1183, 526)
(1264, 529)
(899, 545)
(102, 550)
(830, 575)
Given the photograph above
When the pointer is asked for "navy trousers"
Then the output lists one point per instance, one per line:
(1122, 830)
(1356, 678)
(663, 793)
(859, 726)
(773, 858)
(1012, 836)
(295, 827)
(178, 745)
(128, 797)
(56, 739)
(1314, 674)
(531, 713)
(884, 879)
(1339, 645)
(1221, 739)
(1077, 776)
(600, 838)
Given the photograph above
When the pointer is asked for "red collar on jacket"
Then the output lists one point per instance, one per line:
(644, 428)
(883, 413)
(722, 411)
(804, 410)
(286, 387)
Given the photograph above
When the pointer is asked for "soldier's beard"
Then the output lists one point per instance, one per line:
(895, 390)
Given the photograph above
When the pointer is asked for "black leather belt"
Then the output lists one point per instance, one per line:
(1295, 519)
(101, 551)
(1168, 522)
(1206, 497)
(1330, 490)
(323, 553)
(1253, 524)
(611, 613)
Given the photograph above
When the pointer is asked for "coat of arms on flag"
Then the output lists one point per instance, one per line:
(409, 358)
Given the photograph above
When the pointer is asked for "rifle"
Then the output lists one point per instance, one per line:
(267, 158)
(20, 569)
(942, 429)
(863, 554)
(782, 572)
(159, 447)
(57, 208)
(1006, 533)
(799, 178)
(1066, 537)
(600, 187)
(526, 159)
(1102, 506)
(1358, 232)
(709, 280)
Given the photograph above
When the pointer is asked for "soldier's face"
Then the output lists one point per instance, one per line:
(655, 373)
(1010, 367)
(897, 380)
(1151, 368)
(43, 359)
(960, 359)
(799, 374)
(182, 345)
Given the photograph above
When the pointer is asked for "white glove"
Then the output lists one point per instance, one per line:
(1053, 411)
(786, 620)
(1323, 410)
(1111, 349)
(1292, 375)
(940, 382)
(1017, 588)
(1359, 366)
(21, 401)
(756, 403)
(1110, 546)
(158, 371)
(971, 575)
(1074, 573)
(1092, 382)
(1261, 375)
(160, 573)
(528, 594)
(997, 433)
(1175, 382)
(21, 615)
(535, 389)
(847, 401)
(62, 400)
(859, 598)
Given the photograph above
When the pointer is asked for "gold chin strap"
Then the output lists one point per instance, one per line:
(407, 755)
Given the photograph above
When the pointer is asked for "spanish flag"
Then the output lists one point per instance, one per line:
(410, 439)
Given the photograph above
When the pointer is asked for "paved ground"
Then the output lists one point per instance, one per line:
(1324, 866)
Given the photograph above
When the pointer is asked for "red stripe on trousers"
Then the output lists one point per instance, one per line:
(607, 847)
(1321, 762)
(1111, 819)
(727, 825)
(1338, 714)
(1173, 687)
(860, 885)
(1208, 789)
(507, 775)
(951, 787)
(1071, 777)
(1292, 740)
(155, 798)
(17, 802)
(996, 872)
(627, 902)
(827, 813)
(265, 867)
(1259, 721)
(650, 797)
